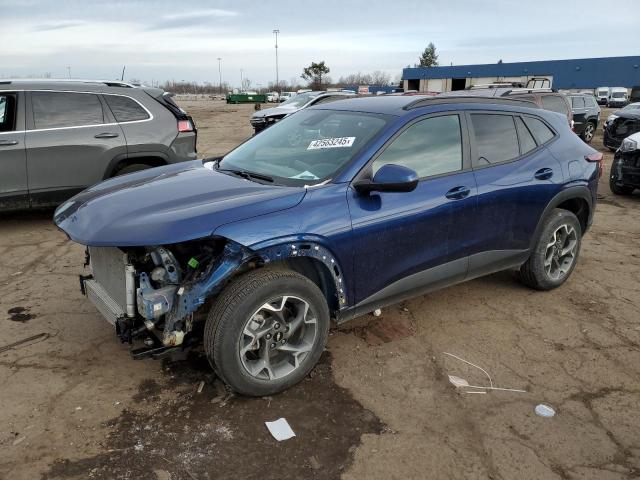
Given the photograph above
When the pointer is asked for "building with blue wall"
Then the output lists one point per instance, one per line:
(574, 74)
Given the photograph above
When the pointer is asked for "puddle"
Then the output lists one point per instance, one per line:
(20, 314)
(214, 434)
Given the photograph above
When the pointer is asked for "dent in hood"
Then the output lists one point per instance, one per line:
(167, 205)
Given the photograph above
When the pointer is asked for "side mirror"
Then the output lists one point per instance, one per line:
(389, 178)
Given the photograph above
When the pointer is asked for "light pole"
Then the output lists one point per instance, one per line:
(277, 78)
(220, 74)
(241, 81)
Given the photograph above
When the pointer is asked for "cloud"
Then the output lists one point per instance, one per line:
(190, 19)
(45, 27)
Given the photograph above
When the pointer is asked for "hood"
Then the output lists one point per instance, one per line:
(275, 111)
(167, 205)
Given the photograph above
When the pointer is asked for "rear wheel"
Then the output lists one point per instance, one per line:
(266, 331)
(556, 252)
(136, 167)
(589, 132)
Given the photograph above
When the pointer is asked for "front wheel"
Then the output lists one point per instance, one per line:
(556, 252)
(266, 331)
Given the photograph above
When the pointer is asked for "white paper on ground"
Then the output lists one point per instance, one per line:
(280, 429)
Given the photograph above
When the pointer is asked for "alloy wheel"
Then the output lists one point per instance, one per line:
(561, 252)
(277, 338)
(588, 132)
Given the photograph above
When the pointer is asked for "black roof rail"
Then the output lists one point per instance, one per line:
(440, 100)
(5, 82)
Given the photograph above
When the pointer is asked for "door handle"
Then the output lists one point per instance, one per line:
(544, 174)
(458, 193)
(106, 135)
(7, 143)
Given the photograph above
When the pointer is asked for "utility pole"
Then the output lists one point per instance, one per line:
(220, 73)
(122, 76)
(241, 81)
(69, 70)
(277, 77)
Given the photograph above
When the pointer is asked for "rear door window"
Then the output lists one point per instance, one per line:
(555, 103)
(527, 143)
(495, 137)
(577, 102)
(539, 129)
(432, 146)
(126, 109)
(7, 112)
(65, 109)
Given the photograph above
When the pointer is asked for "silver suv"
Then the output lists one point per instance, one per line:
(59, 137)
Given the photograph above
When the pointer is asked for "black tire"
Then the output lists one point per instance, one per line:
(136, 167)
(236, 305)
(620, 189)
(613, 186)
(589, 132)
(533, 273)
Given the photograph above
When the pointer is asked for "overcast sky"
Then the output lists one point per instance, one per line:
(162, 40)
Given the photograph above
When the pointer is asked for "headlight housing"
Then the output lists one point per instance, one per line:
(628, 145)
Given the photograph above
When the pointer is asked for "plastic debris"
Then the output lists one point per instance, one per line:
(543, 410)
(377, 312)
(459, 382)
(280, 429)
(201, 386)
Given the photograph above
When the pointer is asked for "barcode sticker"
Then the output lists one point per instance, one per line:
(339, 142)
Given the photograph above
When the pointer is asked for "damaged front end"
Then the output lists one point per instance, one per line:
(154, 293)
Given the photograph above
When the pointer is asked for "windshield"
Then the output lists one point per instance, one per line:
(617, 94)
(301, 99)
(305, 148)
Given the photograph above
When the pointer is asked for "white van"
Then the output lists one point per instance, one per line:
(618, 97)
(602, 95)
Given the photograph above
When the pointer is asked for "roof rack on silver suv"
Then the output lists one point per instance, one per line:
(108, 83)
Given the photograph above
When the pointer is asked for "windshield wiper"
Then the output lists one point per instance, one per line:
(246, 174)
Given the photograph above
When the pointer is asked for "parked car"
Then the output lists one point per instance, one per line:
(602, 95)
(586, 114)
(632, 107)
(284, 96)
(634, 96)
(331, 213)
(626, 123)
(273, 97)
(543, 97)
(262, 119)
(618, 97)
(59, 137)
(625, 169)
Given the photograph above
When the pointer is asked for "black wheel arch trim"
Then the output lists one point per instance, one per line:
(117, 160)
(569, 193)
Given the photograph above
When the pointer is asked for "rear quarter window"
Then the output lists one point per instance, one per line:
(539, 129)
(126, 109)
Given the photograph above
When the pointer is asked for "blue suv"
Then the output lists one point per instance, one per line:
(333, 212)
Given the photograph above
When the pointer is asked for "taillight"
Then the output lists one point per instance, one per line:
(185, 126)
(596, 157)
(573, 124)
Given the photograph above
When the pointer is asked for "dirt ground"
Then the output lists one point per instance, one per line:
(379, 405)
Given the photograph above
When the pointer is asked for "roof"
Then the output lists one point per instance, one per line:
(383, 104)
(64, 84)
(571, 73)
(399, 105)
